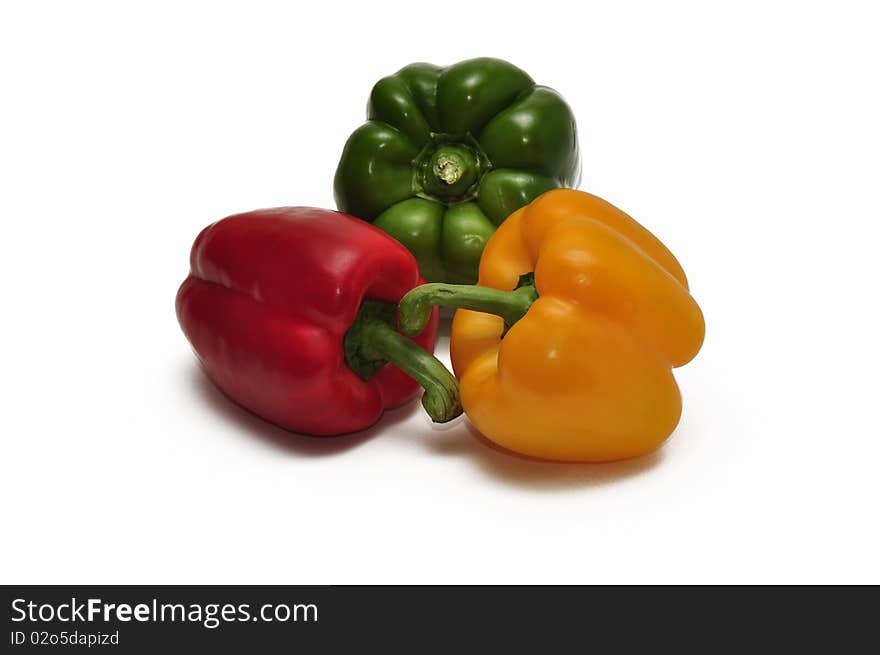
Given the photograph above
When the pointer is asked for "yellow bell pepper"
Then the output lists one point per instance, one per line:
(564, 350)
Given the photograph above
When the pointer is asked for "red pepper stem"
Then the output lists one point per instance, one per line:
(371, 342)
(414, 309)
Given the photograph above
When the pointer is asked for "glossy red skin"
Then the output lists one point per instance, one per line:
(267, 303)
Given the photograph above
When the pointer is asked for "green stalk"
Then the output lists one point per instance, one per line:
(371, 342)
(414, 309)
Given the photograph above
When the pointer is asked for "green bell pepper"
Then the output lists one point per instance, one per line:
(447, 154)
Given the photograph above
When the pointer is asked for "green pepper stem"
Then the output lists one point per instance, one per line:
(449, 168)
(371, 342)
(414, 309)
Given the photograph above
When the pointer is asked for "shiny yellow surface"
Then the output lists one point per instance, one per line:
(586, 375)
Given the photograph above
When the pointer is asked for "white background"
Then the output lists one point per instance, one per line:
(746, 138)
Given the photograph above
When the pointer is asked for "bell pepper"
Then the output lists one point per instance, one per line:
(564, 351)
(291, 313)
(448, 153)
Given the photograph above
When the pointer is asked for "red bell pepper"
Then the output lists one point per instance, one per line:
(291, 313)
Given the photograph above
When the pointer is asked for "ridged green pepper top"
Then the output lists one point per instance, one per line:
(447, 154)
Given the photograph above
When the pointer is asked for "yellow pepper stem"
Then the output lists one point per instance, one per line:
(414, 309)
